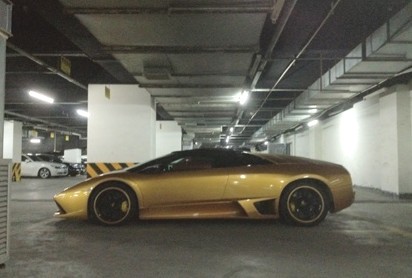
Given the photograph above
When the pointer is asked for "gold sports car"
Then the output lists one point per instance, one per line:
(212, 183)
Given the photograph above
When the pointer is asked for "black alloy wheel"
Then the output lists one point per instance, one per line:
(112, 204)
(304, 204)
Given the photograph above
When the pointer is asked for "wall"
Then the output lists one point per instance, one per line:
(373, 140)
(168, 137)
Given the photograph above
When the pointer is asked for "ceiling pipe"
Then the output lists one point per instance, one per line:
(45, 65)
(261, 61)
(300, 53)
(246, 7)
(31, 119)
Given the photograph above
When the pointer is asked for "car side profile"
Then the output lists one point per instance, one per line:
(34, 166)
(212, 183)
(74, 169)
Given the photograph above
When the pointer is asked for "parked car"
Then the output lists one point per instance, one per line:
(212, 183)
(74, 168)
(33, 166)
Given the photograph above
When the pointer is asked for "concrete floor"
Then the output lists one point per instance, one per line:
(373, 238)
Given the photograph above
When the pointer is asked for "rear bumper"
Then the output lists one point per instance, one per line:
(343, 198)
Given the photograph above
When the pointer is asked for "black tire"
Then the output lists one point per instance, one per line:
(44, 173)
(112, 204)
(304, 203)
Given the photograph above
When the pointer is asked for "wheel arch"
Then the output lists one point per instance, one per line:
(136, 192)
(316, 181)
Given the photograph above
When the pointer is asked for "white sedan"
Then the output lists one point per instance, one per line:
(33, 166)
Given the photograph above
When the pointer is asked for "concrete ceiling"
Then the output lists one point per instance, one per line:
(196, 57)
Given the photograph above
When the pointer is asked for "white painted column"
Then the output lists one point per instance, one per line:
(396, 141)
(404, 133)
(315, 139)
(12, 140)
(5, 32)
(121, 125)
(388, 139)
(3, 39)
(168, 137)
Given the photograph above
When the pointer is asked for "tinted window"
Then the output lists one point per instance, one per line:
(191, 162)
(34, 158)
(49, 158)
(153, 166)
(240, 159)
(250, 159)
(184, 161)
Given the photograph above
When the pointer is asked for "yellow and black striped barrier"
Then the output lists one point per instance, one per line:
(95, 169)
(16, 172)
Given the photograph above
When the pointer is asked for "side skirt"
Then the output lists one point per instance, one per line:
(225, 209)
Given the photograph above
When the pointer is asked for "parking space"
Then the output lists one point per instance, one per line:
(372, 238)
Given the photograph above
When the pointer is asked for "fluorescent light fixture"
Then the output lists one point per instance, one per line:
(35, 140)
(266, 143)
(313, 123)
(244, 97)
(82, 113)
(41, 97)
(231, 129)
(227, 139)
(313, 111)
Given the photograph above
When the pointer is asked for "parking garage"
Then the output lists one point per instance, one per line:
(328, 80)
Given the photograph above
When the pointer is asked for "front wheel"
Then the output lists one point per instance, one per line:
(304, 204)
(112, 204)
(44, 173)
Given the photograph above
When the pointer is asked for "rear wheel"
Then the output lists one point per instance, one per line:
(304, 203)
(44, 173)
(112, 204)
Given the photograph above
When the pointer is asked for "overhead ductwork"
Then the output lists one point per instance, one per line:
(381, 56)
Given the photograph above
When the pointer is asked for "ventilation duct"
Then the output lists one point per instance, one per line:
(379, 57)
(156, 73)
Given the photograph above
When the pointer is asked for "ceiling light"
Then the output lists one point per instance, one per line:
(266, 143)
(313, 123)
(231, 129)
(313, 111)
(41, 97)
(82, 113)
(227, 139)
(244, 97)
(35, 140)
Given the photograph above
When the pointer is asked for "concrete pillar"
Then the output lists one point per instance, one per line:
(121, 125)
(3, 39)
(315, 141)
(404, 133)
(12, 146)
(5, 31)
(395, 139)
(168, 137)
(13, 134)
